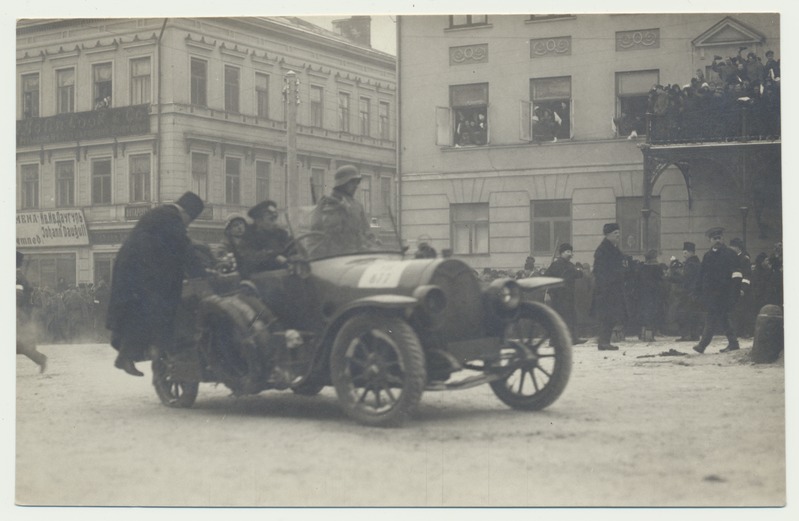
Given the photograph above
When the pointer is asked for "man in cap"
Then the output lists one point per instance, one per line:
(562, 298)
(743, 314)
(689, 312)
(608, 305)
(26, 332)
(264, 243)
(341, 217)
(719, 286)
(148, 278)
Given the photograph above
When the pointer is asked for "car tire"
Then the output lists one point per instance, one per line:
(538, 344)
(173, 393)
(378, 369)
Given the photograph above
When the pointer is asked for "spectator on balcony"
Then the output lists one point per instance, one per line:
(772, 68)
(755, 71)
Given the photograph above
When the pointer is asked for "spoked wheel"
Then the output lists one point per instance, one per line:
(173, 393)
(378, 369)
(538, 353)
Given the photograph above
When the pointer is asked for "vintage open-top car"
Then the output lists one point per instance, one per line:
(380, 327)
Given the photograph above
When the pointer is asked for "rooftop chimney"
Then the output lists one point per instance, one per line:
(357, 29)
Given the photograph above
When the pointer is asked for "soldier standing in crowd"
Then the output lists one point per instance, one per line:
(26, 333)
(263, 244)
(744, 313)
(563, 297)
(148, 280)
(689, 313)
(719, 287)
(608, 305)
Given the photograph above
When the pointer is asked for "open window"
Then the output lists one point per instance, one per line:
(465, 122)
(551, 108)
(632, 91)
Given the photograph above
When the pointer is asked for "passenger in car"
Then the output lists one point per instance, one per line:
(262, 246)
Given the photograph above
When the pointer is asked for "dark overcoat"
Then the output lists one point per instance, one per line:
(147, 281)
(719, 279)
(259, 249)
(651, 295)
(563, 297)
(689, 286)
(608, 304)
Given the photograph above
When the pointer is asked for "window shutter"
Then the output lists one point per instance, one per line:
(525, 120)
(444, 126)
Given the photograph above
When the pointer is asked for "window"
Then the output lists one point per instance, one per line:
(139, 178)
(344, 111)
(103, 267)
(140, 75)
(65, 91)
(385, 195)
(101, 181)
(231, 89)
(465, 121)
(263, 173)
(199, 175)
(550, 225)
(364, 114)
(631, 224)
(317, 184)
(316, 106)
(46, 270)
(467, 20)
(383, 121)
(232, 180)
(365, 188)
(199, 82)
(469, 228)
(65, 183)
(632, 91)
(551, 108)
(29, 186)
(262, 94)
(30, 95)
(103, 85)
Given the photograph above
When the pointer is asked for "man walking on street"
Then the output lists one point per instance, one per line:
(608, 305)
(563, 297)
(148, 279)
(719, 286)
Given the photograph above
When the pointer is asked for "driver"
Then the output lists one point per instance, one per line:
(341, 217)
(263, 244)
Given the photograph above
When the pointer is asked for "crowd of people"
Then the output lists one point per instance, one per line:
(742, 101)
(70, 314)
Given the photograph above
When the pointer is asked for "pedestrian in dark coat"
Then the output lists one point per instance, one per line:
(562, 298)
(608, 305)
(649, 285)
(689, 315)
(719, 287)
(743, 315)
(148, 278)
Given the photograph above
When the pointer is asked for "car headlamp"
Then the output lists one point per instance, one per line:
(506, 294)
(432, 299)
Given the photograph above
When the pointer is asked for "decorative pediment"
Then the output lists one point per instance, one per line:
(729, 31)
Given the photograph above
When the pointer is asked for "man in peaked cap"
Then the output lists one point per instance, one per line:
(263, 245)
(562, 298)
(148, 278)
(689, 310)
(608, 305)
(341, 217)
(719, 285)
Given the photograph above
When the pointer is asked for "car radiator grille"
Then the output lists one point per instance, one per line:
(463, 317)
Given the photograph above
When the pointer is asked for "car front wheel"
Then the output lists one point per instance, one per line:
(537, 355)
(378, 369)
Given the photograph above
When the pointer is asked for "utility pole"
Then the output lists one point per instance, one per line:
(291, 98)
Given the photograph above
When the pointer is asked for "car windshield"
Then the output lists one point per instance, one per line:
(328, 230)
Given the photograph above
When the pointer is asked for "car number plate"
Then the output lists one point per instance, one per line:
(382, 275)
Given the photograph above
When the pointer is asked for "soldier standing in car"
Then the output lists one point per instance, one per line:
(719, 286)
(148, 280)
(608, 305)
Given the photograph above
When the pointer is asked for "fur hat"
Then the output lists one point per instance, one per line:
(689, 246)
(713, 232)
(345, 174)
(192, 203)
(236, 217)
(565, 247)
(610, 228)
(261, 208)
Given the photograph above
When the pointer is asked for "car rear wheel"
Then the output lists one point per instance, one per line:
(537, 352)
(173, 393)
(378, 369)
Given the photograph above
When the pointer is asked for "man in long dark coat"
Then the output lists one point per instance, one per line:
(689, 313)
(608, 305)
(148, 278)
(563, 297)
(744, 313)
(719, 287)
